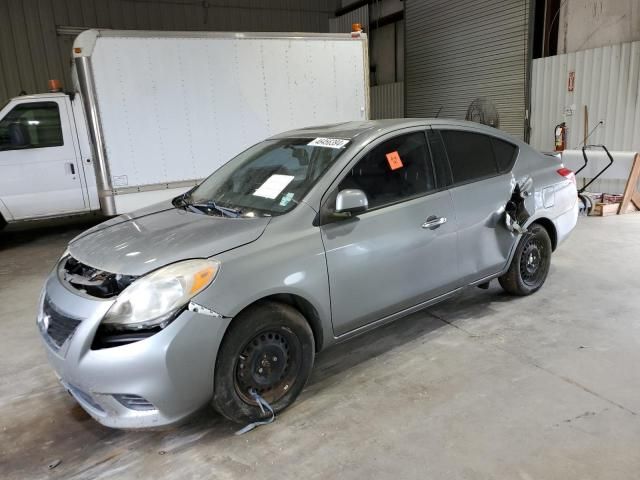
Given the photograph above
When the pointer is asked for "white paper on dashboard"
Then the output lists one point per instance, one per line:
(273, 186)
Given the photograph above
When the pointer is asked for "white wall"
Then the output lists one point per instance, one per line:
(585, 24)
(607, 82)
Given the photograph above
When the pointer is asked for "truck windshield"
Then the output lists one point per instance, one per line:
(269, 178)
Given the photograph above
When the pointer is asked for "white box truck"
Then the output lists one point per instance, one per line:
(152, 113)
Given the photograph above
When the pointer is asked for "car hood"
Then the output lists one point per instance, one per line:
(134, 244)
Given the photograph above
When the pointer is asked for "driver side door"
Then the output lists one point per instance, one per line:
(389, 259)
(39, 170)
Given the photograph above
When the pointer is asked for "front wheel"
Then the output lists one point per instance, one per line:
(269, 350)
(530, 264)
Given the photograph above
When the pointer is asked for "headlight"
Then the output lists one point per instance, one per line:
(152, 300)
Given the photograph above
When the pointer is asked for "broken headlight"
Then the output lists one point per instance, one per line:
(153, 300)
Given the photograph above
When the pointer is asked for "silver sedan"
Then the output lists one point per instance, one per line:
(225, 294)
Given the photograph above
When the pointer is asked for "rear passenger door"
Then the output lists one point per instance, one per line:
(481, 184)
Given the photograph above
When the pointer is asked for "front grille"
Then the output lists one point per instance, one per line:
(58, 327)
(134, 402)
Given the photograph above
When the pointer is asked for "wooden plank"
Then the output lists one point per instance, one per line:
(606, 209)
(630, 192)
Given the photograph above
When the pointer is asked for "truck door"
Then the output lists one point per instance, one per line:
(39, 171)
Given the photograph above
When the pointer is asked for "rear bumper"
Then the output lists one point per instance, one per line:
(171, 370)
(566, 222)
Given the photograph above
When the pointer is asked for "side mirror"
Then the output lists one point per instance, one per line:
(351, 202)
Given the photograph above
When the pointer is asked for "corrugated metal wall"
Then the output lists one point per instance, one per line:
(343, 23)
(31, 51)
(607, 81)
(387, 101)
(457, 51)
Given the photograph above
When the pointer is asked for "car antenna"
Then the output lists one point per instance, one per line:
(439, 110)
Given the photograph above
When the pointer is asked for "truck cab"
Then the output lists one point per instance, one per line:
(45, 159)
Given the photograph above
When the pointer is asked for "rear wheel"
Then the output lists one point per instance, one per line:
(268, 350)
(530, 264)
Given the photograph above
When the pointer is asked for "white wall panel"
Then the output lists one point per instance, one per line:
(387, 101)
(607, 81)
(613, 180)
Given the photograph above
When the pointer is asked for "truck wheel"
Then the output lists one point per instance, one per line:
(530, 265)
(268, 349)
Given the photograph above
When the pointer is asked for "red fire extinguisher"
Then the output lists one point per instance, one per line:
(561, 137)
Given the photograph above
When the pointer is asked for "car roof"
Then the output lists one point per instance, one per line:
(369, 129)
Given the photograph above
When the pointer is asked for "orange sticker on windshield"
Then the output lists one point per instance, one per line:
(394, 160)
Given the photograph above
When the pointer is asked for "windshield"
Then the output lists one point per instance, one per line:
(269, 178)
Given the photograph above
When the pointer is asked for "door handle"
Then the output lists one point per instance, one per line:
(434, 222)
(72, 168)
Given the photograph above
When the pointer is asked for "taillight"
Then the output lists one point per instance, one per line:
(568, 174)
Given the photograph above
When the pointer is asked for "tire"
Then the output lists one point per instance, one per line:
(255, 341)
(530, 264)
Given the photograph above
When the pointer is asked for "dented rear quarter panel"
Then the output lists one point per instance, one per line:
(553, 197)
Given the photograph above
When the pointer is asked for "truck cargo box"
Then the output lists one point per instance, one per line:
(168, 108)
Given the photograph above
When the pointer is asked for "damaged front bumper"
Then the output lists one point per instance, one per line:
(156, 381)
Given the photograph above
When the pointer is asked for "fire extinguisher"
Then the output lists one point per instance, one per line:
(561, 137)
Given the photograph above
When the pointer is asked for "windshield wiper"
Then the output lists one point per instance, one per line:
(211, 205)
(183, 201)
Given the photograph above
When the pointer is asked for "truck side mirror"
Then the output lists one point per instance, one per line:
(18, 135)
(351, 202)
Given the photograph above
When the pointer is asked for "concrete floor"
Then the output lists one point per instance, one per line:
(485, 386)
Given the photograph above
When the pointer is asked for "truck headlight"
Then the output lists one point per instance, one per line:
(154, 299)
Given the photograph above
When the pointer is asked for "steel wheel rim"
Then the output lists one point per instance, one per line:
(533, 262)
(268, 364)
